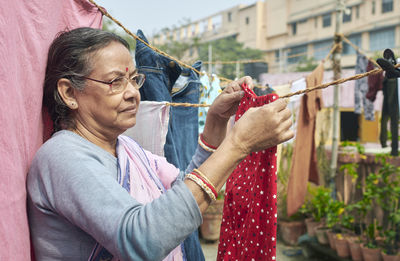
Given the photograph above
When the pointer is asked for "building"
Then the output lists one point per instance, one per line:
(288, 30)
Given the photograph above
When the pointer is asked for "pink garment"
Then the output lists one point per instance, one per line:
(149, 177)
(151, 127)
(26, 31)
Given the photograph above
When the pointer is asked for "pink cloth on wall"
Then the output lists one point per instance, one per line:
(26, 31)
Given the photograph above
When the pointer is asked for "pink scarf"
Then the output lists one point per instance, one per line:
(145, 176)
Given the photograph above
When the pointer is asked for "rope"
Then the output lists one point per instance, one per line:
(355, 47)
(339, 81)
(318, 87)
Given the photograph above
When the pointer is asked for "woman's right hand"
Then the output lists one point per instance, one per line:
(263, 127)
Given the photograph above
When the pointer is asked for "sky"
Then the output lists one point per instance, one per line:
(153, 15)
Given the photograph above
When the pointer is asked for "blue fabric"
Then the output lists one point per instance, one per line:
(162, 75)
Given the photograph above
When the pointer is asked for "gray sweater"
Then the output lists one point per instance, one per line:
(74, 200)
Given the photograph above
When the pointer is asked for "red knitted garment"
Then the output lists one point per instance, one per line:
(249, 222)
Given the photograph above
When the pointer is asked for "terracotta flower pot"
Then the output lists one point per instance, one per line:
(290, 231)
(342, 247)
(322, 237)
(355, 249)
(331, 239)
(311, 225)
(212, 219)
(386, 257)
(371, 254)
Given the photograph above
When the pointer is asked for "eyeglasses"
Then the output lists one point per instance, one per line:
(119, 84)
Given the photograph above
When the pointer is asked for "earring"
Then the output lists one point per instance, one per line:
(73, 104)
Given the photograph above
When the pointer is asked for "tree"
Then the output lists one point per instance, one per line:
(109, 26)
(228, 49)
(306, 64)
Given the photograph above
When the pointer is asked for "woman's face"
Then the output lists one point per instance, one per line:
(101, 110)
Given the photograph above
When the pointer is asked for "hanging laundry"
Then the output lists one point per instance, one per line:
(374, 82)
(249, 222)
(151, 127)
(298, 85)
(304, 160)
(209, 90)
(361, 89)
(390, 110)
(161, 75)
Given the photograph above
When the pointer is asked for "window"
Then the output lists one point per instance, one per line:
(356, 40)
(315, 22)
(326, 20)
(297, 53)
(373, 7)
(357, 11)
(347, 17)
(229, 17)
(277, 56)
(387, 6)
(321, 49)
(247, 20)
(294, 29)
(381, 39)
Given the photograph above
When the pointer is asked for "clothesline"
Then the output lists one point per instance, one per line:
(358, 49)
(318, 87)
(321, 86)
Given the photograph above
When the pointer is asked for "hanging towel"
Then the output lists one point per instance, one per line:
(151, 127)
(304, 160)
(248, 229)
(298, 85)
(361, 89)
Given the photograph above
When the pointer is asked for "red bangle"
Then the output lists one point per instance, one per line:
(205, 143)
(210, 186)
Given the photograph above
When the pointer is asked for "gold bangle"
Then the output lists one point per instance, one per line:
(204, 146)
(204, 177)
(202, 185)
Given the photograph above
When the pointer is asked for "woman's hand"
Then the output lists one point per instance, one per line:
(263, 127)
(223, 107)
(226, 104)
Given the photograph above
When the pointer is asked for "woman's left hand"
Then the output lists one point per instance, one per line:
(223, 107)
(226, 104)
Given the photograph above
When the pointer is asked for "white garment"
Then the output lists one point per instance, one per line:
(151, 126)
(298, 85)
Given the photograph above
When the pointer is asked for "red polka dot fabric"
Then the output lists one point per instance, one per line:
(249, 222)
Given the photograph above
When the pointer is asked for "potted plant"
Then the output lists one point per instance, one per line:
(388, 195)
(335, 210)
(316, 208)
(370, 248)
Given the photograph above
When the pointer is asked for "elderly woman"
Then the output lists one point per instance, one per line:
(97, 195)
